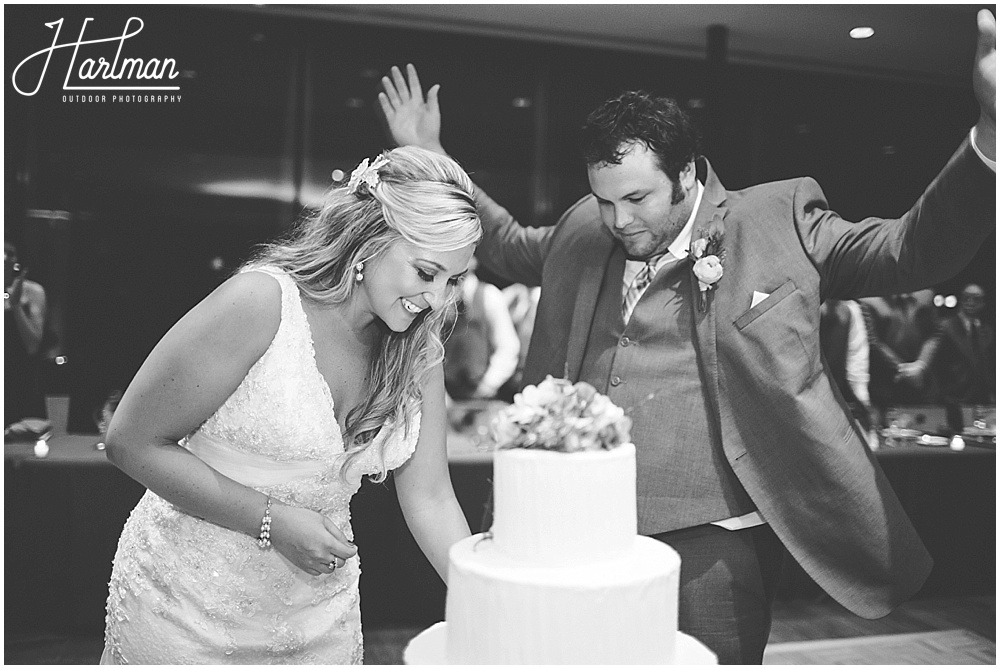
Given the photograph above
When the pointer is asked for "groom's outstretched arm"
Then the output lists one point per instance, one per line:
(508, 249)
(984, 83)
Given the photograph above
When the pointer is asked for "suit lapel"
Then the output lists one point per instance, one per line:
(595, 267)
(711, 216)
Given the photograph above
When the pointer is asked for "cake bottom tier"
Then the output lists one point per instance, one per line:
(428, 647)
(617, 611)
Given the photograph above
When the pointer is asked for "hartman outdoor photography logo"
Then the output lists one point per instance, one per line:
(102, 69)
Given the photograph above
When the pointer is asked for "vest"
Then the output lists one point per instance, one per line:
(650, 369)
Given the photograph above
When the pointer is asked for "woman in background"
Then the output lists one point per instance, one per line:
(255, 417)
(24, 313)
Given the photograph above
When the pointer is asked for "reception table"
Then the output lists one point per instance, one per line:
(64, 514)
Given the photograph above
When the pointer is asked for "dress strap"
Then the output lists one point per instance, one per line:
(293, 316)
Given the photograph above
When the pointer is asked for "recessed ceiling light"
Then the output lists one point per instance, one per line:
(862, 32)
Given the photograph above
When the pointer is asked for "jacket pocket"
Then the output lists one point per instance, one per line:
(776, 345)
(750, 315)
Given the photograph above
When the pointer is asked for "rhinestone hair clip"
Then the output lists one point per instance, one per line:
(367, 174)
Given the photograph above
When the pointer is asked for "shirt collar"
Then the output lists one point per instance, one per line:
(680, 246)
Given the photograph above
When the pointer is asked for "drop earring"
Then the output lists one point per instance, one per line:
(358, 272)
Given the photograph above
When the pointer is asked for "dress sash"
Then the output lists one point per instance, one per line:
(250, 469)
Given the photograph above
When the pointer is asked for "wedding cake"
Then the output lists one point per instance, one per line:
(562, 577)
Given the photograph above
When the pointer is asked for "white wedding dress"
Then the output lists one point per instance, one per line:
(186, 591)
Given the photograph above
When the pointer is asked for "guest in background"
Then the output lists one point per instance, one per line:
(104, 413)
(24, 313)
(697, 309)
(481, 353)
(961, 356)
(844, 338)
(898, 327)
(522, 303)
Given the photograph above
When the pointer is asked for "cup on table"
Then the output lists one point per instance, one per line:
(57, 407)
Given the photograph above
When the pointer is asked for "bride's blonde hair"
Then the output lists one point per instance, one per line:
(421, 197)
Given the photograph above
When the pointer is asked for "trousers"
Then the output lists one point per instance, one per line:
(727, 585)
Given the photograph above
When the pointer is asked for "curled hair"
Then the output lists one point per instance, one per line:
(422, 198)
(616, 125)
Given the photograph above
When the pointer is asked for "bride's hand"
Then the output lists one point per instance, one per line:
(412, 120)
(310, 540)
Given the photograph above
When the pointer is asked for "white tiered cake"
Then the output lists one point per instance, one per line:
(562, 577)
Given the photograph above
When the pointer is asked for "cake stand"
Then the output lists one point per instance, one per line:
(428, 647)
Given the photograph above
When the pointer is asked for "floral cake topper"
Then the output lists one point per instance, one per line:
(557, 415)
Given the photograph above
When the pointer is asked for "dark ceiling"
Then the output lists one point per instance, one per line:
(933, 43)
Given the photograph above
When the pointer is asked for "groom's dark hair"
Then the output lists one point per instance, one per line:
(637, 116)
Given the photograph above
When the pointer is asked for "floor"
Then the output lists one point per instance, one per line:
(929, 631)
(794, 621)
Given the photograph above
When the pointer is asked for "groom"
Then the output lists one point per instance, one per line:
(697, 308)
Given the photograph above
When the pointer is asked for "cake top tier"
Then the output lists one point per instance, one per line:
(557, 415)
(554, 509)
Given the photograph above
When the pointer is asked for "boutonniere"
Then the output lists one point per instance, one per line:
(708, 255)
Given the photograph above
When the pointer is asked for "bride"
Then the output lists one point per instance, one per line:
(253, 420)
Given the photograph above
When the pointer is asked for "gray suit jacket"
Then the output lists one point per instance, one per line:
(786, 432)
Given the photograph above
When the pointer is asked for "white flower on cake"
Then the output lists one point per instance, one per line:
(557, 415)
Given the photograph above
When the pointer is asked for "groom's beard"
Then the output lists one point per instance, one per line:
(638, 250)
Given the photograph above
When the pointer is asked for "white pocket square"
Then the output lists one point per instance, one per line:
(758, 297)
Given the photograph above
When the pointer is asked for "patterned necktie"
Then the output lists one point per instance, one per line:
(639, 284)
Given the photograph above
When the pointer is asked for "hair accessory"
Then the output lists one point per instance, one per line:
(365, 173)
(264, 539)
(358, 271)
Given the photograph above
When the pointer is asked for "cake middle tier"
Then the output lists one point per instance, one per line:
(620, 611)
(555, 508)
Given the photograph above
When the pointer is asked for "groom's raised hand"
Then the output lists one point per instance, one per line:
(413, 121)
(984, 83)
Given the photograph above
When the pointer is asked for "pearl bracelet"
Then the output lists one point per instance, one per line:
(264, 540)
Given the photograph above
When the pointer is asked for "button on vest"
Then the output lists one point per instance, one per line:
(650, 369)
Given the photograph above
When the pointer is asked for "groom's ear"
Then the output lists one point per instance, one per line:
(688, 175)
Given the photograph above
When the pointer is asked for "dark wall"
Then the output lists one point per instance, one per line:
(165, 199)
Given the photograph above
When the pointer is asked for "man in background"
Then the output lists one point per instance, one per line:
(24, 312)
(961, 356)
(899, 327)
